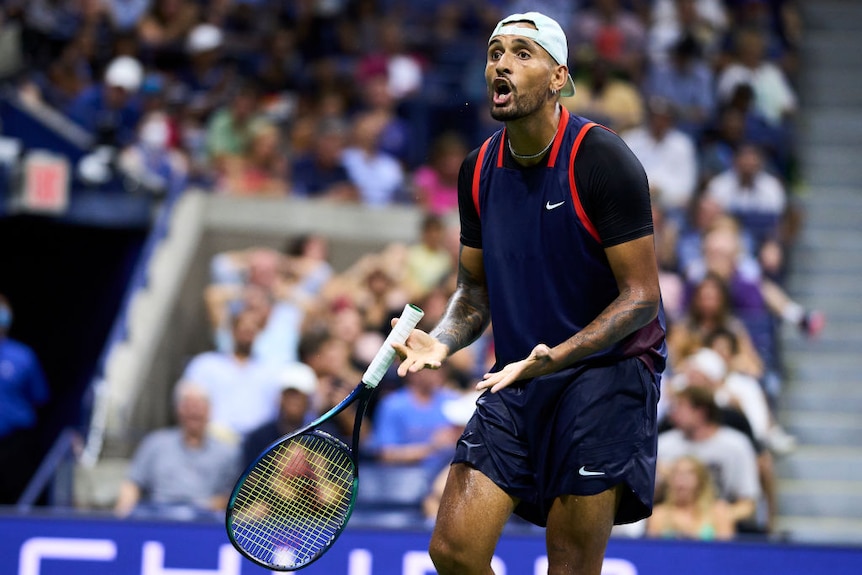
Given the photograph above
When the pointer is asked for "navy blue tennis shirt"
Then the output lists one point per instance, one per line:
(543, 231)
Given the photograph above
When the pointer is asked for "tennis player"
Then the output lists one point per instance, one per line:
(557, 254)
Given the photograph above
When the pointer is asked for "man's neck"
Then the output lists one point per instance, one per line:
(532, 134)
(193, 441)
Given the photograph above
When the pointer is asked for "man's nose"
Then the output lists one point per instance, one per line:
(504, 63)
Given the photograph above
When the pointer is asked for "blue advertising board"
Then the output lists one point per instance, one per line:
(45, 545)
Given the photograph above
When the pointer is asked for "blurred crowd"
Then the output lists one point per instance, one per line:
(376, 102)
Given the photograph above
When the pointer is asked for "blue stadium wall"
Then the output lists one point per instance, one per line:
(50, 545)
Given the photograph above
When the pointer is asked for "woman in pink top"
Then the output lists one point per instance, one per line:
(437, 182)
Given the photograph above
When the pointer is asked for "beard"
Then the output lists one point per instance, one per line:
(518, 107)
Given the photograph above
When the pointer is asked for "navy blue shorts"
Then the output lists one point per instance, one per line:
(579, 431)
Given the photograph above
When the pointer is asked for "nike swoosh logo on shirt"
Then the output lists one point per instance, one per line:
(583, 471)
(550, 206)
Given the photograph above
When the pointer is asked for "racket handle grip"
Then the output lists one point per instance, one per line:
(386, 355)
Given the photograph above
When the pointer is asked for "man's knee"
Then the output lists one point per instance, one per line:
(451, 558)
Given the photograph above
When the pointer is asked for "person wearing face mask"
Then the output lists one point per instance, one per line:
(151, 161)
(23, 391)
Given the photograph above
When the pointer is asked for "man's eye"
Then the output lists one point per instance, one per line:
(523, 54)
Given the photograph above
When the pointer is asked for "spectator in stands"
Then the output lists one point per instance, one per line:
(298, 384)
(668, 156)
(242, 389)
(23, 393)
(392, 57)
(257, 265)
(670, 20)
(111, 110)
(320, 172)
(66, 76)
(279, 67)
(602, 97)
(776, 141)
(745, 390)
(165, 26)
(774, 97)
(307, 263)
(47, 26)
(152, 161)
(759, 302)
(736, 400)
(182, 472)
(435, 184)
(410, 427)
(261, 170)
(726, 452)
(379, 299)
(671, 281)
(281, 288)
(206, 76)
(395, 136)
(709, 310)
(429, 261)
(686, 81)
(690, 508)
(719, 142)
(751, 194)
(708, 369)
(229, 129)
(329, 357)
(377, 175)
(609, 31)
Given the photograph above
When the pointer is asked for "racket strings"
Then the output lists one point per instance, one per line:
(294, 502)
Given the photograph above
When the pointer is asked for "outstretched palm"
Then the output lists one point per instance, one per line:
(539, 362)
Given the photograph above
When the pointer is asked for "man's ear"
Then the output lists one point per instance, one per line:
(559, 79)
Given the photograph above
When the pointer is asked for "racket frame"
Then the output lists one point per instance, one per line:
(362, 394)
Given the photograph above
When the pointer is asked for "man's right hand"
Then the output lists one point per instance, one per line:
(421, 350)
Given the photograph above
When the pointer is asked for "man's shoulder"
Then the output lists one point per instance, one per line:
(209, 358)
(16, 349)
(218, 447)
(160, 439)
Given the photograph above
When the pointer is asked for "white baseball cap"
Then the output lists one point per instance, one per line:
(203, 38)
(709, 363)
(548, 34)
(125, 72)
(298, 376)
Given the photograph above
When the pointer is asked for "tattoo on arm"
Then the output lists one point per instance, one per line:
(628, 313)
(467, 314)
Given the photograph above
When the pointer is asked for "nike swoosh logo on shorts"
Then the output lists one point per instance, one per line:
(586, 473)
(550, 206)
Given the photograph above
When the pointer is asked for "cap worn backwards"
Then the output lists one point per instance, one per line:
(548, 34)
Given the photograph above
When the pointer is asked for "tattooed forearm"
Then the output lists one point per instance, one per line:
(467, 314)
(622, 317)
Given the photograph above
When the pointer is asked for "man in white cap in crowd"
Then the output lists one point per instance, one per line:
(112, 110)
(298, 384)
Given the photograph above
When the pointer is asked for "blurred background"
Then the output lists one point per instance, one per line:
(211, 209)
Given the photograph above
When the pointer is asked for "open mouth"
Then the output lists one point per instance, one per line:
(502, 91)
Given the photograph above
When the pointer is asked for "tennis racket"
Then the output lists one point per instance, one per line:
(295, 499)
